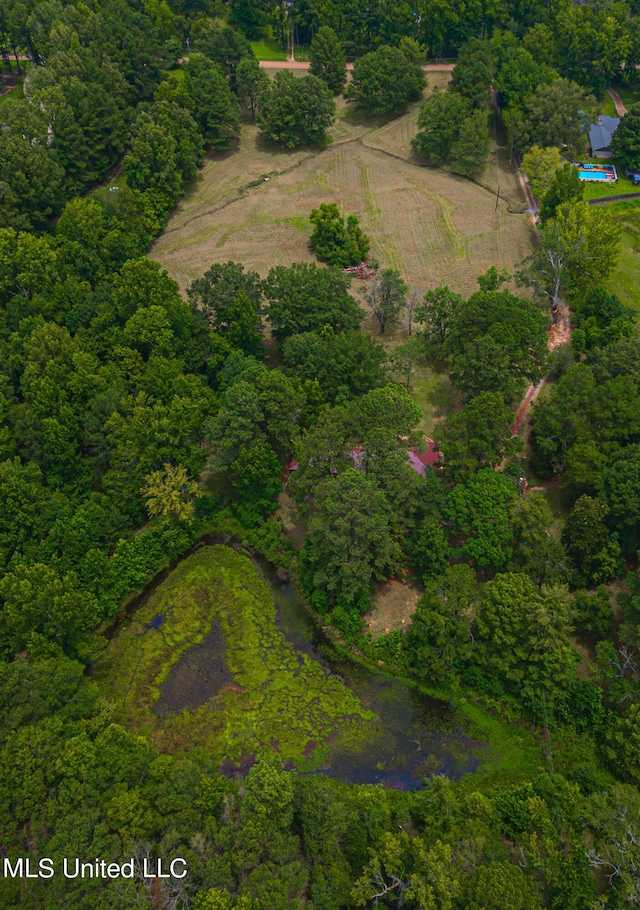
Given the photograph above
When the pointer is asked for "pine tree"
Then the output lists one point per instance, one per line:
(328, 60)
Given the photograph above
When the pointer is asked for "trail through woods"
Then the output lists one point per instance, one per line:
(558, 335)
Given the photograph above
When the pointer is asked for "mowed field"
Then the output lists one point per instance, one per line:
(433, 227)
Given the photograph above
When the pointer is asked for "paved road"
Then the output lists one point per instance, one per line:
(300, 65)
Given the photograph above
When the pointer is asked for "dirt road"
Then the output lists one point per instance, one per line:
(301, 65)
(558, 335)
(617, 100)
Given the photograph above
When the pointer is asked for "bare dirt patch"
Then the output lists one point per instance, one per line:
(393, 605)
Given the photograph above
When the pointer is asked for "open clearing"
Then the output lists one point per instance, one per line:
(434, 227)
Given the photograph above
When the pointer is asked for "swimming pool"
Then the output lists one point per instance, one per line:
(592, 175)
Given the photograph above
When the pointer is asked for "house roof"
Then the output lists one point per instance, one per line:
(601, 133)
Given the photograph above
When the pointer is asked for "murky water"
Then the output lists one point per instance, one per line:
(199, 674)
(419, 736)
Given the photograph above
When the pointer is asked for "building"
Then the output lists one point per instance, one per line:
(600, 136)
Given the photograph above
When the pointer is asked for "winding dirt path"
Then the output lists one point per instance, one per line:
(617, 100)
(558, 335)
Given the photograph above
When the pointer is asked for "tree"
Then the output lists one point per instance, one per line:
(229, 300)
(170, 492)
(387, 298)
(541, 165)
(480, 510)
(251, 82)
(594, 553)
(402, 870)
(226, 46)
(435, 316)
(350, 538)
(328, 60)
(384, 81)
(499, 885)
(468, 154)
(523, 638)
(36, 599)
(151, 163)
(31, 180)
(566, 188)
(439, 123)
(625, 146)
(536, 551)
(590, 239)
(304, 298)
(619, 486)
(332, 241)
(520, 72)
(440, 637)
(344, 365)
(554, 115)
(497, 341)
(472, 74)
(405, 358)
(295, 111)
(478, 436)
(216, 108)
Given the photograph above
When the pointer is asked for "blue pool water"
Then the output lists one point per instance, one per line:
(592, 175)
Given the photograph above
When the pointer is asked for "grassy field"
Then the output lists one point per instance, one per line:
(252, 205)
(625, 280)
(434, 227)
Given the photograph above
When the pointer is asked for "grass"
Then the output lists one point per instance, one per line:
(601, 190)
(279, 700)
(606, 106)
(434, 227)
(625, 280)
(629, 94)
(268, 49)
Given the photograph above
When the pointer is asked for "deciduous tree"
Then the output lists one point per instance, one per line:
(384, 81)
(387, 298)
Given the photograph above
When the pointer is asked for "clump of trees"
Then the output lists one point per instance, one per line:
(384, 81)
(334, 241)
(452, 126)
(295, 111)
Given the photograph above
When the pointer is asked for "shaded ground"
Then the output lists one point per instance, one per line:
(288, 514)
(394, 603)
(199, 675)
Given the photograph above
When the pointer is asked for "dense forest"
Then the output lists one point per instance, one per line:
(134, 421)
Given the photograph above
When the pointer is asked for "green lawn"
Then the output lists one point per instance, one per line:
(625, 281)
(602, 190)
(606, 106)
(10, 97)
(268, 49)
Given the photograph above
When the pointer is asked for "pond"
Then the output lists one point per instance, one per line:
(263, 675)
(418, 735)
